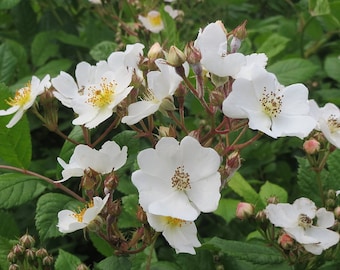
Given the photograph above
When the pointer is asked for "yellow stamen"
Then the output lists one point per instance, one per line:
(271, 102)
(155, 18)
(333, 123)
(22, 96)
(104, 95)
(80, 214)
(181, 179)
(175, 222)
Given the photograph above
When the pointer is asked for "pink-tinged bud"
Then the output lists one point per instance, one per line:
(18, 250)
(175, 57)
(285, 241)
(27, 241)
(11, 257)
(233, 163)
(337, 212)
(311, 146)
(30, 254)
(240, 31)
(41, 253)
(193, 55)
(13, 267)
(244, 210)
(47, 261)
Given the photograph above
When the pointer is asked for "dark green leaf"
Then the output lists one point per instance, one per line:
(101, 245)
(333, 166)
(5, 247)
(8, 229)
(273, 45)
(66, 261)
(114, 262)
(8, 63)
(102, 50)
(43, 48)
(8, 4)
(128, 218)
(16, 189)
(332, 67)
(165, 266)
(48, 206)
(202, 260)
(54, 67)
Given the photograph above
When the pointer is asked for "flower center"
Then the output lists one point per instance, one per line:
(175, 222)
(22, 96)
(305, 221)
(80, 214)
(333, 123)
(104, 95)
(154, 18)
(181, 179)
(271, 102)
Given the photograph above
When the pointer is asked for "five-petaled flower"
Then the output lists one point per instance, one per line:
(178, 180)
(24, 98)
(297, 220)
(270, 107)
(70, 221)
(152, 22)
(110, 157)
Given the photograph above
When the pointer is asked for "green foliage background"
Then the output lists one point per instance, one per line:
(38, 37)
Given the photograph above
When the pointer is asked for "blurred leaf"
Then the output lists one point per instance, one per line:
(66, 261)
(70, 39)
(241, 187)
(227, 209)
(5, 247)
(101, 245)
(8, 63)
(293, 70)
(332, 67)
(255, 253)
(165, 266)
(202, 260)
(8, 4)
(54, 67)
(318, 7)
(43, 47)
(329, 95)
(16, 189)
(128, 217)
(272, 190)
(114, 262)
(46, 218)
(8, 229)
(102, 50)
(140, 259)
(333, 166)
(273, 45)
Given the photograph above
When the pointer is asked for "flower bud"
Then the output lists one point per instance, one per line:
(240, 31)
(50, 106)
(90, 179)
(218, 81)
(337, 212)
(285, 241)
(175, 57)
(273, 200)
(244, 210)
(141, 215)
(41, 253)
(82, 267)
(331, 194)
(330, 203)
(233, 163)
(110, 182)
(18, 250)
(311, 146)
(96, 224)
(27, 241)
(47, 261)
(155, 52)
(193, 55)
(167, 105)
(11, 257)
(235, 45)
(261, 217)
(30, 254)
(13, 267)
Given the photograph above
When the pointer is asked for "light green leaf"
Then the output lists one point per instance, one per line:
(66, 261)
(8, 63)
(255, 253)
(318, 7)
(114, 262)
(332, 67)
(128, 218)
(227, 209)
(269, 190)
(295, 70)
(43, 48)
(241, 187)
(16, 189)
(273, 45)
(48, 206)
(102, 50)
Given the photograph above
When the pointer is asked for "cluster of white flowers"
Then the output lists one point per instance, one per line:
(176, 180)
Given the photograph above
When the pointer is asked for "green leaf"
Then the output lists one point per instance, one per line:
(66, 261)
(165, 266)
(43, 48)
(272, 190)
(332, 67)
(202, 260)
(16, 189)
(54, 67)
(48, 206)
(5, 247)
(114, 262)
(333, 166)
(255, 253)
(318, 7)
(102, 50)
(71, 39)
(101, 245)
(8, 63)
(8, 4)
(241, 187)
(8, 229)
(227, 209)
(15, 142)
(293, 70)
(273, 45)
(128, 218)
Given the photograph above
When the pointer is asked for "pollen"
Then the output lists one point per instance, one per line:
(22, 96)
(271, 102)
(333, 123)
(181, 179)
(103, 96)
(305, 221)
(154, 17)
(80, 214)
(175, 222)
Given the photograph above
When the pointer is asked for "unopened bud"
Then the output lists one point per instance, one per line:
(240, 31)
(110, 182)
(175, 57)
(13, 267)
(47, 261)
(18, 250)
(235, 44)
(261, 217)
(331, 194)
(11, 257)
(50, 106)
(27, 241)
(193, 55)
(330, 203)
(155, 52)
(286, 241)
(30, 254)
(167, 105)
(233, 163)
(90, 179)
(273, 200)
(311, 146)
(82, 267)
(337, 212)
(244, 210)
(41, 253)
(141, 215)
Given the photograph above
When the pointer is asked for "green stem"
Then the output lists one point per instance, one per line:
(152, 247)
